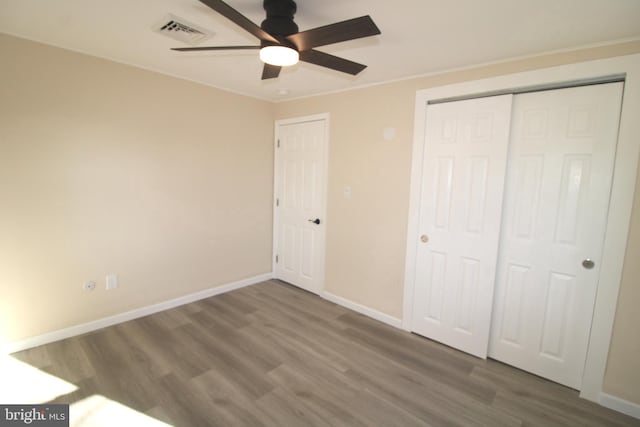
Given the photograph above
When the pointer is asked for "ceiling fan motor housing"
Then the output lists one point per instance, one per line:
(279, 20)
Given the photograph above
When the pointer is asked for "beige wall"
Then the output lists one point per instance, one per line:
(366, 235)
(623, 368)
(106, 168)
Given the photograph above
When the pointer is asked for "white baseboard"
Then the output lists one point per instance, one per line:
(620, 405)
(369, 312)
(73, 331)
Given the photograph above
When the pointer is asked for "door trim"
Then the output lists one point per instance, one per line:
(622, 191)
(325, 117)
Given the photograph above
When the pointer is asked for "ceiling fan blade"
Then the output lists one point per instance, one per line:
(270, 71)
(239, 19)
(330, 61)
(334, 33)
(195, 49)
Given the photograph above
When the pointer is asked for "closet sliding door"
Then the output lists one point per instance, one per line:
(561, 158)
(558, 147)
(460, 214)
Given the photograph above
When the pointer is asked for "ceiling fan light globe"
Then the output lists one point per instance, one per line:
(280, 56)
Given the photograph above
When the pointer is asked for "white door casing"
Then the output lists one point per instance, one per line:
(464, 169)
(300, 198)
(561, 157)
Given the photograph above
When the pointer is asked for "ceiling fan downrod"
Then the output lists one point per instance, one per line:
(279, 21)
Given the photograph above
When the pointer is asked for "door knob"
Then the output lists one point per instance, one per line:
(424, 238)
(315, 221)
(588, 264)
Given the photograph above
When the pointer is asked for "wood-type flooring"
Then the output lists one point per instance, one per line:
(272, 354)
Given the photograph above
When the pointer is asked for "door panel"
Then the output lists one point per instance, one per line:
(555, 209)
(464, 163)
(300, 195)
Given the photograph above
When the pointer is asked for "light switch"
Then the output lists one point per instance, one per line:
(112, 281)
(347, 192)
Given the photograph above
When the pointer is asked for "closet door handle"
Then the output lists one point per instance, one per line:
(588, 264)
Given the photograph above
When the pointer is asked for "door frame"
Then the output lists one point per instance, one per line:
(622, 191)
(324, 117)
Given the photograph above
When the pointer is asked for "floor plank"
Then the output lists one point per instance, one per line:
(274, 355)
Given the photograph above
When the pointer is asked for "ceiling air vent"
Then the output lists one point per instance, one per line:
(182, 31)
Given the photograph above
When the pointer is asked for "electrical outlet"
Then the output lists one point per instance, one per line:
(112, 281)
(89, 286)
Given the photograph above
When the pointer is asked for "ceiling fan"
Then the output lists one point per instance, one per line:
(281, 44)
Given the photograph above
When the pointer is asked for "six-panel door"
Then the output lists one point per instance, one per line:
(300, 195)
(464, 163)
(561, 161)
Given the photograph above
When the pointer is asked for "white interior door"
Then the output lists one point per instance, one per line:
(561, 161)
(460, 213)
(299, 228)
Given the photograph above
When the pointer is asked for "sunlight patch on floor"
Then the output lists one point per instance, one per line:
(22, 383)
(99, 411)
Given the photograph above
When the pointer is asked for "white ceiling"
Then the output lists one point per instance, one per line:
(418, 36)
